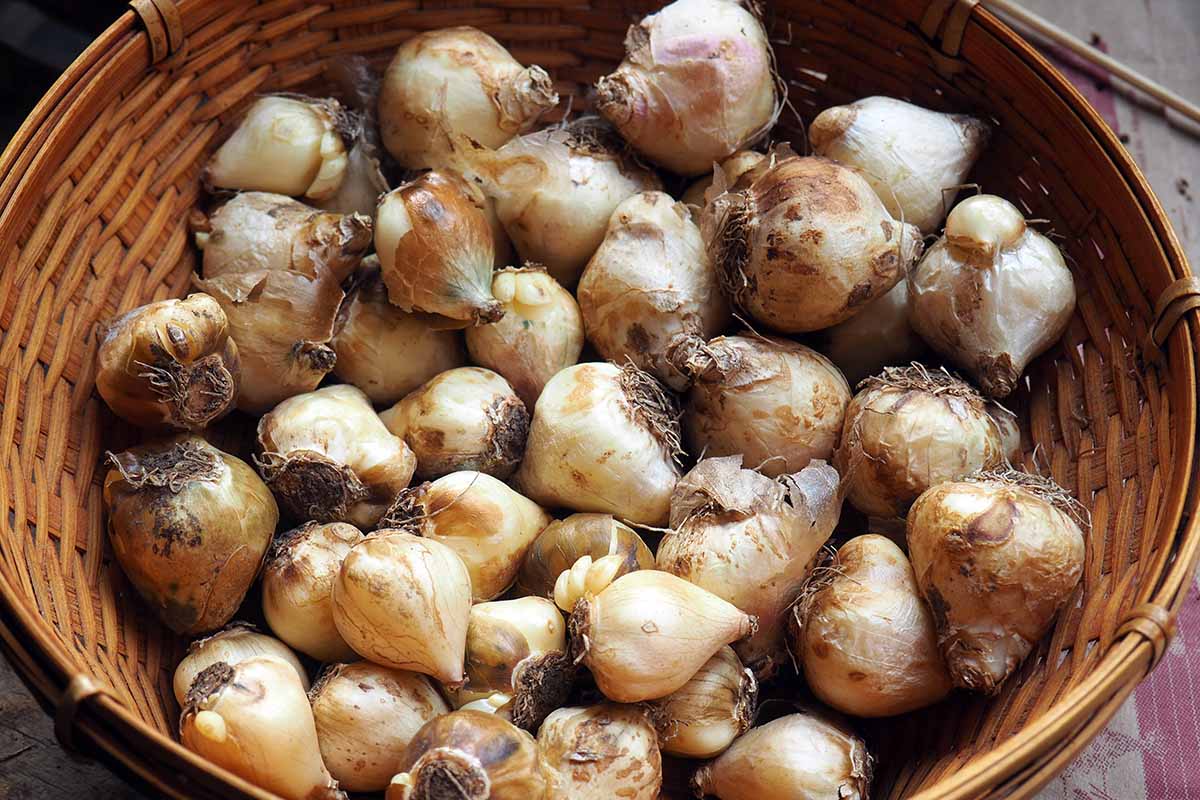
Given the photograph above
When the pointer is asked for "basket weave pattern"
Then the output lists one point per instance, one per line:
(94, 196)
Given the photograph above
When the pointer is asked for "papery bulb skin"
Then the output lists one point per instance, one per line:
(383, 349)
(649, 632)
(256, 231)
(170, 364)
(457, 81)
(540, 334)
(600, 752)
(487, 523)
(807, 244)
(996, 557)
(285, 144)
(865, 638)
(751, 541)
(254, 720)
(471, 755)
(910, 155)
(649, 282)
(328, 457)
(189, 525)
(910, 428)
(800, 755)
(556, 189)
(991, 294)
(365, 716)
(696, 84)
(777, 403)
(297, 587)
(403, 602)
(435, 249)
(467, 418)
(603, 439)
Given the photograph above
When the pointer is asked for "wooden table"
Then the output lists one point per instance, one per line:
(1160, 38)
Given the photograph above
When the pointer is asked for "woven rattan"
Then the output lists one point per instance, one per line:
(94, 194)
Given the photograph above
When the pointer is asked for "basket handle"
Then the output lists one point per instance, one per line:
(950, 17)
(1176, 300)
(164, 26)
(79, 690)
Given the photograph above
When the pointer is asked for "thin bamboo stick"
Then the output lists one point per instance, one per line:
(1028, 19)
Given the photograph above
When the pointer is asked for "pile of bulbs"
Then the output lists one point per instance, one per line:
(530, 576)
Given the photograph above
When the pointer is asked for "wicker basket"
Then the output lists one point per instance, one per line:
(94, 194)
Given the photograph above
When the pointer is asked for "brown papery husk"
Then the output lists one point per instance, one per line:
(807, 245)
(750, 540)
(442, 262)
(282, 321)
(189, 526)
(170, 364)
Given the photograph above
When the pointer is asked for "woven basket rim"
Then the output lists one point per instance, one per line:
(1022, 764)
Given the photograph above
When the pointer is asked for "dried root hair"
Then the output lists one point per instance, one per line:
(653, 407)
(1041, 487)
(172, 469)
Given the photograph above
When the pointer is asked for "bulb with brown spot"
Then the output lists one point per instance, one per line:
(601, 752)
(517, 661)
(470, 755)
(189, 526)
(650, 281)
(992, 293)
(463, 419)
(365, 716)
(489, 525)
(996, 556)
(802, 248)
(751, 540)
(603, 439)
(777, 403)
(864, 637)
(910, 428)
(170, 364)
